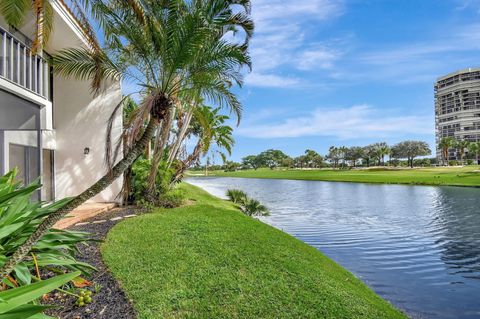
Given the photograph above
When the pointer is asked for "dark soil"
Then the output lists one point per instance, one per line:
(110, 301)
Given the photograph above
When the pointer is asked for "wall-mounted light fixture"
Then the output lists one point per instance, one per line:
(86, 150)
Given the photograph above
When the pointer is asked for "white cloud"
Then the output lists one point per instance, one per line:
(359, 121)
(280, 34)
(319, 57)
(270, 80)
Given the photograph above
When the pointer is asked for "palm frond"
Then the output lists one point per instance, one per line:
(14, 11)
(85, 64)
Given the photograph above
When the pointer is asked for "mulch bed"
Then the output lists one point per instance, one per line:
(110, 302)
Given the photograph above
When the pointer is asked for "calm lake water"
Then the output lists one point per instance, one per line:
(416, 246)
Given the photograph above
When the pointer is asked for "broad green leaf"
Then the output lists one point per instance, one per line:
(9, 229)
(63, 262)
(22, 273)
(24, 311)
(20, 296)
(41, 316)
(27, 190)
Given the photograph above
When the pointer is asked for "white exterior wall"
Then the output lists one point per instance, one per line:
(75, 120)
(80, 121)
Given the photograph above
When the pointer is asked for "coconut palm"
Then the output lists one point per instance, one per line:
(209, 127)
(174, 51)
(445, 144)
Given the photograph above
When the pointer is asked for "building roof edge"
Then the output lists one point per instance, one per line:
(461, 71)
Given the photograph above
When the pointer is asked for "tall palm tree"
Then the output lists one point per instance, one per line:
(383, 150)
(445, 144)
(209, 126)
(474, 148)
(461, 146)
(343, 153)
(174, 51)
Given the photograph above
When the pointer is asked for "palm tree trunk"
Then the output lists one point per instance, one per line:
(95, 189)
(160, 144)
(180, 137)
(186, 164)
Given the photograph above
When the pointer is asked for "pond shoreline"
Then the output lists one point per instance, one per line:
(455, 176)
(217, 262)
(414, 246)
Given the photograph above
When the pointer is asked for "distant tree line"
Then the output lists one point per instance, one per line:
(342, 157)
(406, 153)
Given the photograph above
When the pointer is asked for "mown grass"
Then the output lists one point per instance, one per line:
(452, 176)
(207, 260)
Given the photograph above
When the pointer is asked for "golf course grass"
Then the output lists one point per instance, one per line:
(453, 176)
(208, 260)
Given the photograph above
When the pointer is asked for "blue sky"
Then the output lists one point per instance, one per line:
(350, 72)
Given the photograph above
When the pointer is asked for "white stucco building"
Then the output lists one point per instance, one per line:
(52, 127)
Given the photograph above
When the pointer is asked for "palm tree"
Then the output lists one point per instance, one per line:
(343, 153)
(15, 11)
(383, 150)
(445, 144)
(236, 196)
(461, 146)
(174, 51)
(209, 126)
(252, 207)
(474, 148)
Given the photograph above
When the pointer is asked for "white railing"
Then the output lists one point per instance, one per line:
(20, 66)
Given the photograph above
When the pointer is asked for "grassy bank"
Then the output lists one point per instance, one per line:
(454, 176)
(207, 260)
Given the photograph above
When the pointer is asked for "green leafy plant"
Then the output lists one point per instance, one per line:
(164, 196)
(253, 207)
(21, 302)
(172, 198)
(236, 196)
(19, 217)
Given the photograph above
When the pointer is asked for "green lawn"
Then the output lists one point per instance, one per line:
(455, 176)
(207, 260)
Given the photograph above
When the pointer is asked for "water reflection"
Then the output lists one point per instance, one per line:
(417, 246)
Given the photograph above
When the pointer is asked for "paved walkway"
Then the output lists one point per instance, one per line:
(84, 212)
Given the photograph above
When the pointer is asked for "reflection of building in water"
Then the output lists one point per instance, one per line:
(459, 231)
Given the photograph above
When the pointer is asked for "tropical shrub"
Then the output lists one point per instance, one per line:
(22, 302)
(164, 195)
(253, 207)
(236, 196)
(172, 198)
(249, 206)
(19, 217)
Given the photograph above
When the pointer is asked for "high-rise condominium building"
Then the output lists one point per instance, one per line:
(457, 108)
